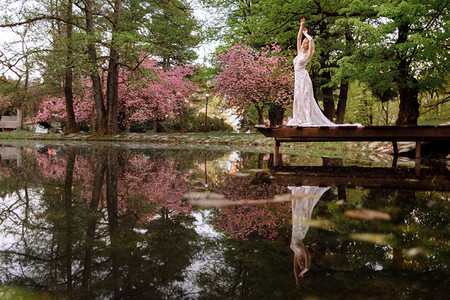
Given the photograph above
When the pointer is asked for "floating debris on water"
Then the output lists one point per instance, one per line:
(240, 174)
(367, 214)
(375, 238)
(218, 200)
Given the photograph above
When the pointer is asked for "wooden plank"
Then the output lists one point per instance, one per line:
(353, 133)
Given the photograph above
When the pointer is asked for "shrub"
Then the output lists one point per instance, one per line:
(212, 124)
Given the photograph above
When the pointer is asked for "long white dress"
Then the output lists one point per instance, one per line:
(306, 111)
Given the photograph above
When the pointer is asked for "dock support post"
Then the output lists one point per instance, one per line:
(418, 157)
(418, 149)
(276, 153)
(395, 147)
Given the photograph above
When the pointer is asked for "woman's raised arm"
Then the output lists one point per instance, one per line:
(311, 44)
(299, 35)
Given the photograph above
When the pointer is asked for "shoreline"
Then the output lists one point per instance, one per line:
(371, 152)
(209, 138)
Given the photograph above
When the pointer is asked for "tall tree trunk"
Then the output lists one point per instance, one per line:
(112, 94)
(342, 104)
(71, 126)
(409, 102)
(327, 92)
(328, 102)
(260, 114)
(94, 73)
(407, 84)
(276, 114)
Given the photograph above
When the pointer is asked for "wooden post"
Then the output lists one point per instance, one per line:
(276, 154)
(418, 149)
(19, 119)
(395, 147)
(418, 158)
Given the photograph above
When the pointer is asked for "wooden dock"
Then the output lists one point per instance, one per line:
(394, 134)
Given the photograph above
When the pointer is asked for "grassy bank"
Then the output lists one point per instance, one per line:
(247, 141)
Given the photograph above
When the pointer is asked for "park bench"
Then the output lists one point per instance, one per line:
(11, 122)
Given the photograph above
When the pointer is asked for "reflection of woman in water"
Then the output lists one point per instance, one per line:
(302, 208)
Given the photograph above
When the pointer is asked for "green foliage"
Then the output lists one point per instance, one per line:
(166, 30)
(402, 48)
(183, 121)
(13, 292)
(212, 124)
(355, 40)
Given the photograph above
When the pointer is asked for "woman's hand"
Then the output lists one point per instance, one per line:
(302, 21)
(305, 30)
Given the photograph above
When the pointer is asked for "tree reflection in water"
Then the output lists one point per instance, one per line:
(100, 226)
(107, 222)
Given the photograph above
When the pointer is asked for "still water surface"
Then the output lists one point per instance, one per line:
(106, 221)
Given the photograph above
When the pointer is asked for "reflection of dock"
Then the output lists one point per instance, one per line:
(11, 153)
(350, 177)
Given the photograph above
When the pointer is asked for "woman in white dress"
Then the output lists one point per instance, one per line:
(306, 111)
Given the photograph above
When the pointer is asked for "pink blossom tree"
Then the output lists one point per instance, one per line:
(155, 94)
(148, 93)
(252, 78)
(55, 107)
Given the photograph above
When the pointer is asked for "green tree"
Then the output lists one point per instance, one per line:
(123, 30)
(398, 48)
(264, 22)
(402, 49)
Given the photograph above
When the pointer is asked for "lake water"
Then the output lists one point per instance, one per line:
(102, 221)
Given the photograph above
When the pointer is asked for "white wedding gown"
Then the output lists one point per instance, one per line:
(306, 111)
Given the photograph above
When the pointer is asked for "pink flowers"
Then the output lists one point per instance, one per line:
(241, 221)
(254, 78)
(147, 93)
(153, 93)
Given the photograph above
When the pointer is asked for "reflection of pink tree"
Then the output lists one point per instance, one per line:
(145, 187)
(240, 221)
(53, 168)
(153, 186)
(5, 172)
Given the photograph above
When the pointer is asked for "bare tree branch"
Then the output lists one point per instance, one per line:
(40, 18)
